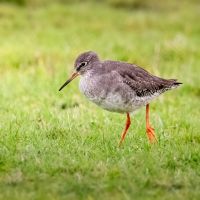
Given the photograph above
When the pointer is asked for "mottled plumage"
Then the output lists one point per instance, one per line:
(119, 86)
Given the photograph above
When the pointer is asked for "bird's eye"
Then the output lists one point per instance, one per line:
(81, 65)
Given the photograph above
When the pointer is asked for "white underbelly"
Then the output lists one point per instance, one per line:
(115, 103)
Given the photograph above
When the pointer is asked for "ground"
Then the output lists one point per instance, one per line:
(57, 145)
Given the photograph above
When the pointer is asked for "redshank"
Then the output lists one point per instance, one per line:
(119, 87)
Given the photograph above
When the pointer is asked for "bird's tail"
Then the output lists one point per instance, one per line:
(174, 83)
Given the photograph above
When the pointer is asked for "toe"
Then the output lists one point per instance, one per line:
(151, 135)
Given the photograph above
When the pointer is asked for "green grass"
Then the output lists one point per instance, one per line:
(57, 145)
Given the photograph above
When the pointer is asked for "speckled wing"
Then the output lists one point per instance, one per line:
(145, 84)
(142, 82)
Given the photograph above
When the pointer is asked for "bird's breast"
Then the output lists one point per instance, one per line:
(106, 95)
(89, 87)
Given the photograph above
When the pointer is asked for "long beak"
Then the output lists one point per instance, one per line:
(74, 75)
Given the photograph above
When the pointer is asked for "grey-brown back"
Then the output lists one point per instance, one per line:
(138, 79)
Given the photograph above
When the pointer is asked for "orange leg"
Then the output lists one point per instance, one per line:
(149, 129)
(128, 123)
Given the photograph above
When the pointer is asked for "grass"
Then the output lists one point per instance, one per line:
(57, 145)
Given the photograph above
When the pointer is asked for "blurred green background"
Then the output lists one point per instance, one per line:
(57, 145)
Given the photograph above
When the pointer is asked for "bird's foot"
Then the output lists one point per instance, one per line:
(151, 134)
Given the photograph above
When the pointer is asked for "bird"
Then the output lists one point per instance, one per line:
(119, 87)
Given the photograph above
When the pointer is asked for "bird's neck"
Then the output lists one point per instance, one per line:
(94, 68)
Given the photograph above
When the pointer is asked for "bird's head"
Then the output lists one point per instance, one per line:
(82, 64)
